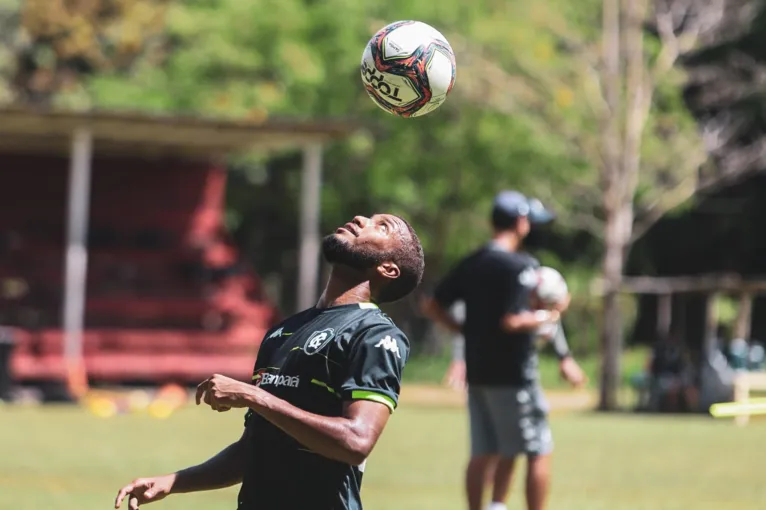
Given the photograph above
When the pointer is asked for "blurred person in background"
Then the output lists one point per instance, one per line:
(507, 409)
(324, 384)
(673, 379)
(551, 334)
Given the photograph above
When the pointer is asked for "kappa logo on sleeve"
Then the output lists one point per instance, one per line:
(389, 344)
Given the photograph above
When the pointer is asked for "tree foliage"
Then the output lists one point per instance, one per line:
(528, 111)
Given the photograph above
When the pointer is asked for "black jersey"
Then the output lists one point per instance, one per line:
(316, 360)
(493, 282)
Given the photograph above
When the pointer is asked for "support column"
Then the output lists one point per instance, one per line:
(76, 258)
(744, 316)
(664, 315)
(711, 323)
(310, 238)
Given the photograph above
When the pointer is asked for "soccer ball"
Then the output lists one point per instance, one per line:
(408, 68)
(551, 287)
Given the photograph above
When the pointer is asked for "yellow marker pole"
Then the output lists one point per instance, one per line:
(753, 406)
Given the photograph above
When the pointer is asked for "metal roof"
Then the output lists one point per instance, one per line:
(23, 130)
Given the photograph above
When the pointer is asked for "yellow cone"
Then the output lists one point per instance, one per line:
(160, 409)
(138, 401)
(102, 407)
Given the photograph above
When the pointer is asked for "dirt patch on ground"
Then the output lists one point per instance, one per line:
(439, 396)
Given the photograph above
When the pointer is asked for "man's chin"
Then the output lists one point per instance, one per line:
(339, 251)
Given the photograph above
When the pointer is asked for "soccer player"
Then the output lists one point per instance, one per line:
(324, 384)
(508, 411)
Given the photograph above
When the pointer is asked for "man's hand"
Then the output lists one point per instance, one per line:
(455, 376)
(145, 490)
(222, 393)
(572, 372)
(562, 307)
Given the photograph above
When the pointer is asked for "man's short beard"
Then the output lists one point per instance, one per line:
(337, 251)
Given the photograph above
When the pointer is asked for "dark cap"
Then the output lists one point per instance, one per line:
(512, 204)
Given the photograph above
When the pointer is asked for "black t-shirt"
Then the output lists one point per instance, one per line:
(316, 360)
(493, 282)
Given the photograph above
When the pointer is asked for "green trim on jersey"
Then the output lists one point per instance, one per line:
(325, 386)
(368, 306)
(374, 397)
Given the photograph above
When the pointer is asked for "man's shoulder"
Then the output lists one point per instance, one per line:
(372, 326)
(517, 261)
(374, 319)
(286, 324)
(528, 259)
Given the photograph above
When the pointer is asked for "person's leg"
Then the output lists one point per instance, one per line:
(521, 416)
(538, 480)
(539, 447)
(501, 483)
(504, 407)
(483, 447)
(475, 477)
(672, 395)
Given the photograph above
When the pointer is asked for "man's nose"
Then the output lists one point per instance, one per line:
(362, 221)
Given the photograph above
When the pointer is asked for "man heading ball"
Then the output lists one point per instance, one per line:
(324, 385)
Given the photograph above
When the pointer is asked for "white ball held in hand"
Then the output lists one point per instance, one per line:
(551, 289)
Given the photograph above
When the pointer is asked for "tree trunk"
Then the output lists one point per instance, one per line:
(617, 234)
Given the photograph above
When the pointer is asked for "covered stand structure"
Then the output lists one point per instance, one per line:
(83, 136)
(705, 289)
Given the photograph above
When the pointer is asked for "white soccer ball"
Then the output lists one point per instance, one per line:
(408, 68)
(551, 288)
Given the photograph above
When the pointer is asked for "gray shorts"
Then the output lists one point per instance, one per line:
(509, 421)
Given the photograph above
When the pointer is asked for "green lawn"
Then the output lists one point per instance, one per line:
(65, 459)
(431, 369)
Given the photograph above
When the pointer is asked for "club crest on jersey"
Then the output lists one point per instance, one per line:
(318, 340)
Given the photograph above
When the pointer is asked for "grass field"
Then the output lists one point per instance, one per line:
(64, 458)
(431, 369)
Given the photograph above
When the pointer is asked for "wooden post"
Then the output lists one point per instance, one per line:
(76, 260)
(310, 236)
(664, 315)
(744, 316)
(742, 330)
(711, 323)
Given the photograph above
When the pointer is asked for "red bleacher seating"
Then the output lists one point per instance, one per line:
(151, 313)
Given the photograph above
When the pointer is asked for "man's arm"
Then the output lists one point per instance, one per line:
(369, 386)
(348, 439)
(525, 321)
(568, 367)
(446, 293)
(431, 308)
(560, 344)
(223, 470)
(220, 471)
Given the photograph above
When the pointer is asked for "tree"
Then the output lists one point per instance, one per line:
(628, 209)
(539, 104)
(617, 111)
(50, 45)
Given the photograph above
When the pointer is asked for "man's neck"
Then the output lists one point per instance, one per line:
(508, 241)
(345, 287)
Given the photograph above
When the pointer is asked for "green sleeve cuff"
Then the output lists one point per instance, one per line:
(375, 397)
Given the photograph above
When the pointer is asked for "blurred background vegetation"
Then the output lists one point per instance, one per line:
(521, 115)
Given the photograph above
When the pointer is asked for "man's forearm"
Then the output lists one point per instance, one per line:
(337, 438)
(560, 345)
(223, 470)
(458, 349)
(528, 320)
(434, 311)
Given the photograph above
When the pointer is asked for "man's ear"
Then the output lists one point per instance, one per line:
(388, 270)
